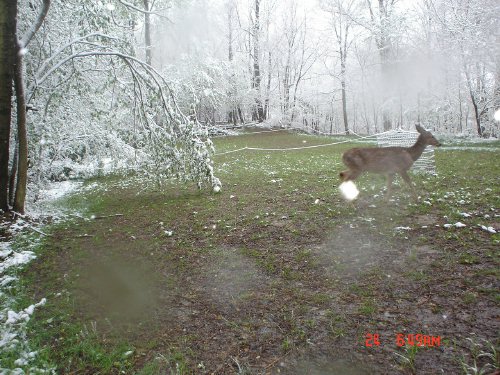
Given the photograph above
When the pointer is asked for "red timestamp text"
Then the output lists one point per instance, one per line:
(373, 339)
(417, 340)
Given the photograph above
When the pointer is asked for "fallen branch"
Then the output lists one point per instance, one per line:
(106, 216)
(39, 231)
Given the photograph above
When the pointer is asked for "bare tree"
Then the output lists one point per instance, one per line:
(258, 112)
(14, 46)
(296, 59)
(342, 25)
(381, 29)
(8, 12)
(467, 24)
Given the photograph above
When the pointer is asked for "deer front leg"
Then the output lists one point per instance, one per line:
(390, 177)
(407, 179)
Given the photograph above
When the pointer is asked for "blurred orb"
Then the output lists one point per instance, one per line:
(497, 115)
(349, 190)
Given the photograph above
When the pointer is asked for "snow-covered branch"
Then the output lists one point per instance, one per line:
(144, 11)
(26, 39)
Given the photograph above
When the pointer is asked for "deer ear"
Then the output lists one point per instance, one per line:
(420, 129)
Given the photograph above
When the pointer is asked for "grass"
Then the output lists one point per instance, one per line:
(274, 268)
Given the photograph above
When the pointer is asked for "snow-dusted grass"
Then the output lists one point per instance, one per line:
(276, 251)
(17, 352)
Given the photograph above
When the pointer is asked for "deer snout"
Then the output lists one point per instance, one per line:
(434, 142)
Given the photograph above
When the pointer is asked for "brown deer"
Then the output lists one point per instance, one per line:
(386, 160)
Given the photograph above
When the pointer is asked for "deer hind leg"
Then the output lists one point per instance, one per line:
(407, 179)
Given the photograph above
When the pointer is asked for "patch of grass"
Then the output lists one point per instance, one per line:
(469, 298)
(336, 324)
(368, 307)
(320, 298)
(418, 276)
(406, 359)
(154, 367)
(466, 258)
(361, 290)
(484, 358)
(286, 345)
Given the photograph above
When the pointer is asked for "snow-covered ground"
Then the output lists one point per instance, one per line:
(59, 189)
(14, 342)
(13, 337)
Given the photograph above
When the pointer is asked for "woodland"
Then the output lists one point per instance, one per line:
(98, 86)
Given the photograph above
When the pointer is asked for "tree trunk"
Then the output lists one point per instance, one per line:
(259, 109)
(13, 175)
(344, 98)
(268, 88)
(233, 113)
(22, 175)
(477, 115)
(8, 11)
(383, 40)
(460, 110)
(240, 114)
(147, 32)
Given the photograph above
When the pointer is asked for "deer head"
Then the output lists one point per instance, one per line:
(427, 136)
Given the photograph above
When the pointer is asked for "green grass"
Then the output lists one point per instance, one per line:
(263, 255)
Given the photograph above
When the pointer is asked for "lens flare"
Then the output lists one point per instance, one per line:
(497, 115)
(348, 190)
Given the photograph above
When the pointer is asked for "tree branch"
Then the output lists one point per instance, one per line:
(26, 39)
(132, 6)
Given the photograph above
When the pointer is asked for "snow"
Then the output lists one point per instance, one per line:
(488, 229)
(17, 259)
(5, 280)
(23, 315)
(458, 224)
(5, 250)
(13, 338)
(57, 190)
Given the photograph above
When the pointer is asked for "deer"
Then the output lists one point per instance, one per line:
(387, 160)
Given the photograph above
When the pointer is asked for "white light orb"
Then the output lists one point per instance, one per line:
(349, 190)
(497, 115)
